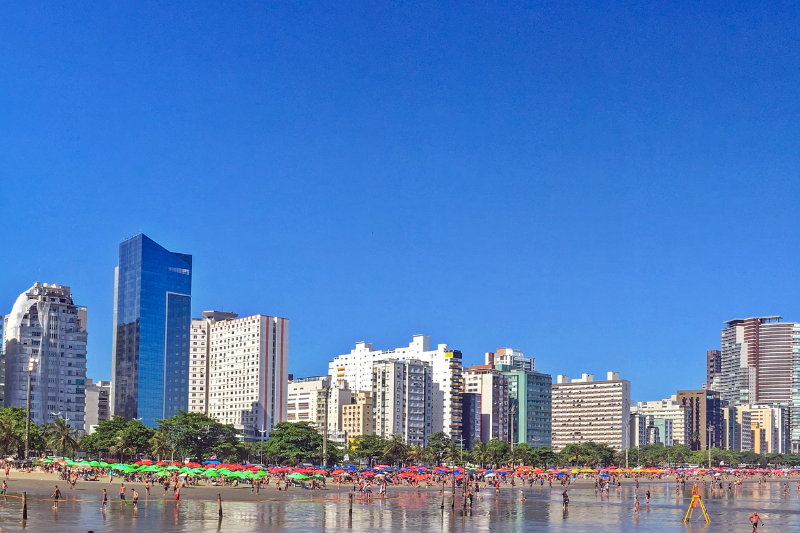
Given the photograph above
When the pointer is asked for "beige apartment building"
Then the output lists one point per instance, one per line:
(358, 418)
(587, 410)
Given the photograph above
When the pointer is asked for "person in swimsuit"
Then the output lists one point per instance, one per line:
(565, 499)
(3, 491)
(135, 498)
(56, 496)
(647, 494)
(636, 505)
(105, 500)
(754, 518)
(122, 493)
(147, 488)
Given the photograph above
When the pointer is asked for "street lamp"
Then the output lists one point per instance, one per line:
(31, 365)
(261, 446)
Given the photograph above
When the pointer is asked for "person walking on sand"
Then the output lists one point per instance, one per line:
(754, 518)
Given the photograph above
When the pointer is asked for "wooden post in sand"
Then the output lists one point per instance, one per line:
(25, 505)
(219, 503)
(350, 504)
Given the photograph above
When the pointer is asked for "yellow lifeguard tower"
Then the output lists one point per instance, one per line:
(696, 501)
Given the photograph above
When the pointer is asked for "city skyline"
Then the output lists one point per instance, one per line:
(599, 187)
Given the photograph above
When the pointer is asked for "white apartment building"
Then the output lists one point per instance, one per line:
(98, 407)
(354, 371)
(304, 400)
(48, 331)
(510, 357)
(670, 409)
(587, 410)
(248, 377)
(200, 358)
(402, 399)
(493, 387)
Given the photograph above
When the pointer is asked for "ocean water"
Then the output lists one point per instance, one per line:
(409, 511)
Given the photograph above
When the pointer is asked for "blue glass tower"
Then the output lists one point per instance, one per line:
(152, 315)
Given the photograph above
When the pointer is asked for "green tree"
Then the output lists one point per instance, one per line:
(437, 445)
(480, 453)
(499, 451)
(293, 442)
(61, 437)
(160, 446)
(194, 434)
(368, 447)
(544, 456)
(522, 454)
(9, 437)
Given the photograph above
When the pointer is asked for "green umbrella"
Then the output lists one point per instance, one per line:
(211, 473)
(94, 463)
(297, 475)
(173, 468)
(104, 464)
(318, 476)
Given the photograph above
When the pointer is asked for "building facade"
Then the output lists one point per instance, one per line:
(713, 365)
(358, 418)
(152, 317)
(98, 403)
(669, 409)
(303, 400)
(402, 392)
(492, 385)
(706, 423)
(587, 410)
(471, 406)
(510, 357)
(530, 397)
(248, 373)
(353, 371)
(46, 331)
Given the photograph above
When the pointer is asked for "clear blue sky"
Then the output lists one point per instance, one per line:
(599, 185)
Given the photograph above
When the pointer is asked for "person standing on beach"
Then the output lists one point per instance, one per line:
(147, 488)
(565, 500)
(122, 493)
(3, 491)
(135, 498)
(105, 500)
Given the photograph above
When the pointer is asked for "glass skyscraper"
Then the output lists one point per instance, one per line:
(152, 316)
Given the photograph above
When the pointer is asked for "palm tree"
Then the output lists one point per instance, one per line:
(160, 445)
(415, 455)
(480, 452)
(395, 447)
(60, 437)
(9, 438)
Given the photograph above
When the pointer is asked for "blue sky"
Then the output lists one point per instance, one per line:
(598, 185)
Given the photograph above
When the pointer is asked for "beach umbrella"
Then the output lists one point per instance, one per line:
(297, 475)
(173, 468)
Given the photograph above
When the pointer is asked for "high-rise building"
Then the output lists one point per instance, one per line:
(303, 399)
(706, 423)
(248, 373)
(353, 371)
(530, 399)
(587, 410)
(98, 406)
(358, 418)
(471, 420)
(47, 331)
(492, 385)
(510, 357)
(402, 392)
(200, 358)
(152, 317)
(713, 365)
(2, 365)
(762, 428)
(669, 408)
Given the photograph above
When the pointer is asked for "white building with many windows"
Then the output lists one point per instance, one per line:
(588, 410)
(354, 371)
(46, 331)
(200, 358)
(402, 399)
(248, 373)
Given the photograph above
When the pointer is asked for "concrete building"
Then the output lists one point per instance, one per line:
(304, 400)
(98, 403)
(670, 409)
(588, 410)
(200, 358)
(333, 401)
(46, 327)
(2, 365)
(706, 423)
(471, 420)
(354, 370)
(510, 357)
(713, 365)
(402, 392)
(358, 418)
(152, 317)
(248, 376)
(492, 385)
(530, 399)
(762, 428)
